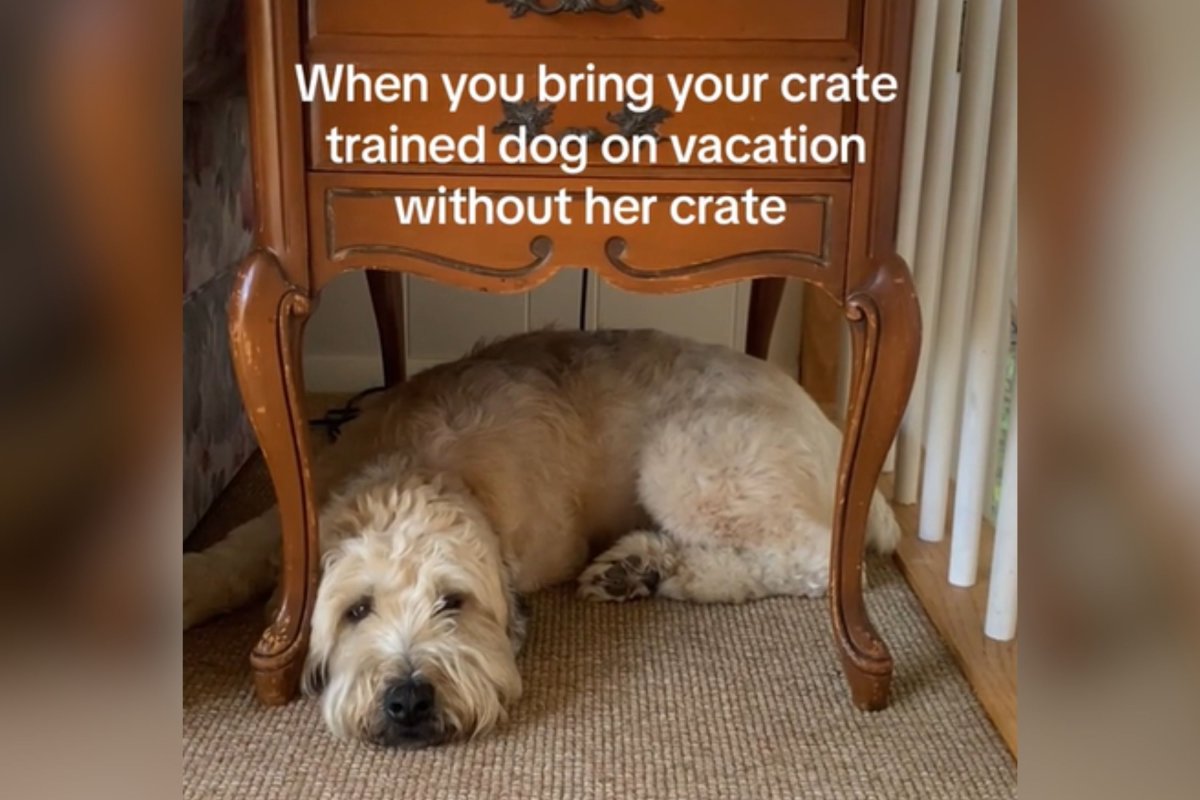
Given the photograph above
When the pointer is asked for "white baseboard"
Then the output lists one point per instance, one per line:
(341, 372)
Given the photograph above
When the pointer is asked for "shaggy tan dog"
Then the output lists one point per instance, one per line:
(680, 470)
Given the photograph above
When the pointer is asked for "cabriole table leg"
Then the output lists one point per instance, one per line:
(885, 326)
(266, 323)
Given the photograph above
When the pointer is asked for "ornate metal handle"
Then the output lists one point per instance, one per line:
(533, 118)
(547, 8)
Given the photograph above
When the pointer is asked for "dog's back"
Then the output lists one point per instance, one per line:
(568, 439)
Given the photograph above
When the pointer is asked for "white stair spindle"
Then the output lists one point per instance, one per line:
(962, 246)
(986, 344)
(1001, 618)
(931, 230)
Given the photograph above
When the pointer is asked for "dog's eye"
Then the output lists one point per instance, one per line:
(450, 602)
(358, 611)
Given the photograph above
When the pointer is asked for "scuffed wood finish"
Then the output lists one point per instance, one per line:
(277, 134)
(267, 312)
(266, 319)
(885, 329)
(315, 225)
(875, 202)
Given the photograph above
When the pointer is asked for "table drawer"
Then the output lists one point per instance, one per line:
(731, 20)
(721, 119)
(354, 223)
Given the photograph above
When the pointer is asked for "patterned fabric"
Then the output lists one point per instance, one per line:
(218, 231)
(217, 199)
(217, 436)
(214, 46)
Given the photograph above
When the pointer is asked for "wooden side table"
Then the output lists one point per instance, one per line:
(318, 219)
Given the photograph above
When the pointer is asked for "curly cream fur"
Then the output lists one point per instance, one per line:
(405, 545)
(685, 470)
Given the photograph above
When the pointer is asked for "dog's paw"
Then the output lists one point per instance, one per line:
(631, 569)
(617, 581)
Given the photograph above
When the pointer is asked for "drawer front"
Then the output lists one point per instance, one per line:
(721, 119)
(733, 20)
(354, 225)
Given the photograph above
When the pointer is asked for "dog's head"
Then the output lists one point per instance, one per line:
(415, 629)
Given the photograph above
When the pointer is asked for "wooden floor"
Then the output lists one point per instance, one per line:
(990, 666)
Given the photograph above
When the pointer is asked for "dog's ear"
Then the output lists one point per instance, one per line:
(316, 665)
(316, 673)
(320, 635)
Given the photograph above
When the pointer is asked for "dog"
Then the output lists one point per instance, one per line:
(637, 463)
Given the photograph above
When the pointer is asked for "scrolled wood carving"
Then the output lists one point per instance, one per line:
(614, 250)
(540, 247)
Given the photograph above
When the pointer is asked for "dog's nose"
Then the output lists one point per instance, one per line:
(409, 702)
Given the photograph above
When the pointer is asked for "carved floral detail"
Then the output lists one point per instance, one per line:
(533, 118)
(525, 115)
(632, 123)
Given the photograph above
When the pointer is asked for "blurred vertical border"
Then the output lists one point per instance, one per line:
(1109, 279)
(90, 397)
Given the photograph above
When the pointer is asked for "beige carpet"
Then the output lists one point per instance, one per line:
(648, 700)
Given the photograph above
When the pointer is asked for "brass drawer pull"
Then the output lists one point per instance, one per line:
(534, 118)
(547, 8)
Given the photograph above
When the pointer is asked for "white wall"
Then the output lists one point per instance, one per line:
(341, 346)
(341, 350)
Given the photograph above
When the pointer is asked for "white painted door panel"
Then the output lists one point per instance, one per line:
(715, 316)
(443, 322)
(342, 349)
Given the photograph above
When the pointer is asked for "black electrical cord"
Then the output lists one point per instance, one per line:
(335, 418)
